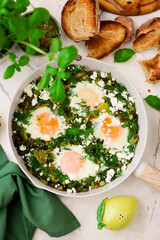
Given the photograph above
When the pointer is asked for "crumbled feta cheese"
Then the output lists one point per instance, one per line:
(110, 174)
(34, 100)
(67, 181)
(101, 83)
(69, 190)
(73, 190)
(22, 148)
(103, 74)
(94, 75)
(44, 95)
(28, 89)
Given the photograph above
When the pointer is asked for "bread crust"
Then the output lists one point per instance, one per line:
(148, 35)
(151, 68)
(111, 36)
(80, 19)
(127, 4)
(144, 7)
(128, 23)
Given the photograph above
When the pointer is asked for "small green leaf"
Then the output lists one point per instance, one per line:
(45, 79)
(66, 56)
(57, 90)
(12, 56)
(123, 55)
(153, 101)
(56, 45)
(9, 72)
(30, 50)
(24, 60)
(39, 15)
(18, 26)
(36, 33)
(100, 211)
(51, 70)
(63, 75)
(16, 66)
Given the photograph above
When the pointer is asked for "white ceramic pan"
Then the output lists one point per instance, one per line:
(144, 171)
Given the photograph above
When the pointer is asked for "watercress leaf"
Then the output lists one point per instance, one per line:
(3, 3)
(39, 15)
(18, 26)
(16, 66)
(66, 56)
(63, 75)
(2, 37)
(24, 60)
(21, 6)
(153, 101)
(45, 79)
(34, 42)
(36, 33)
(123, 55)
(57, 90)
(100, 211)
(9, 72)
(56, 45)
(88, 131)
(44, 13)
(51, 70)
(12, 56)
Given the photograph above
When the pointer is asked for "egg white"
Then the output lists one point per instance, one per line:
(31, 128)
(118, 143)
(89, 168)
(82, 85)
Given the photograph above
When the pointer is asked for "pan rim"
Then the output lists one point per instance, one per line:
(107, 187)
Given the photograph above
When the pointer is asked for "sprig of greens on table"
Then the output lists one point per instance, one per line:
(153, 101)
(123, 55)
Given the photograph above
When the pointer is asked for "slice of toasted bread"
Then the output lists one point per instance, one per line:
(111, 36)
(128, 23)
(126, 4)
(144, 7)
(148, 35)
(151, 69)
(80, 19)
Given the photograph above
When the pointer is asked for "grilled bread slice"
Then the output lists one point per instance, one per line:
(125, 5)
(128, 23)
(151, 69)
(148, 35)
(80, 19)
(111, 36)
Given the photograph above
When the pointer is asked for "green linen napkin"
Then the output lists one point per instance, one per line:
(24, 206)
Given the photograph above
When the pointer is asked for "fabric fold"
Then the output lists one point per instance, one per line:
(24, 206)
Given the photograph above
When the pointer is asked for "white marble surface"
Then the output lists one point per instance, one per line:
(146, 225)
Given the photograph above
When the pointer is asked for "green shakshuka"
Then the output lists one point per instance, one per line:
(83, 143)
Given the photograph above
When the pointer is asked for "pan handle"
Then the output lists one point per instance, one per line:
(148, 174)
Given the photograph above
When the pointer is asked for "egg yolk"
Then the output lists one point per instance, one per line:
(89, 96)
(46, 123)
(109, 130)
(71, 162)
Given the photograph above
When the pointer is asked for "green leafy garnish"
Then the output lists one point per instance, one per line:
(123, 55)
(100, 211)
(77, 131)
(57, 90)
(153, 101)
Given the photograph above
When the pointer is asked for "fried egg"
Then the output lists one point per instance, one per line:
(75, 163)
(109, 128)
(44, 124)
(89, 92)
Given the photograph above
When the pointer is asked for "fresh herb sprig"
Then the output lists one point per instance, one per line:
(16, 27)
(65, 56)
